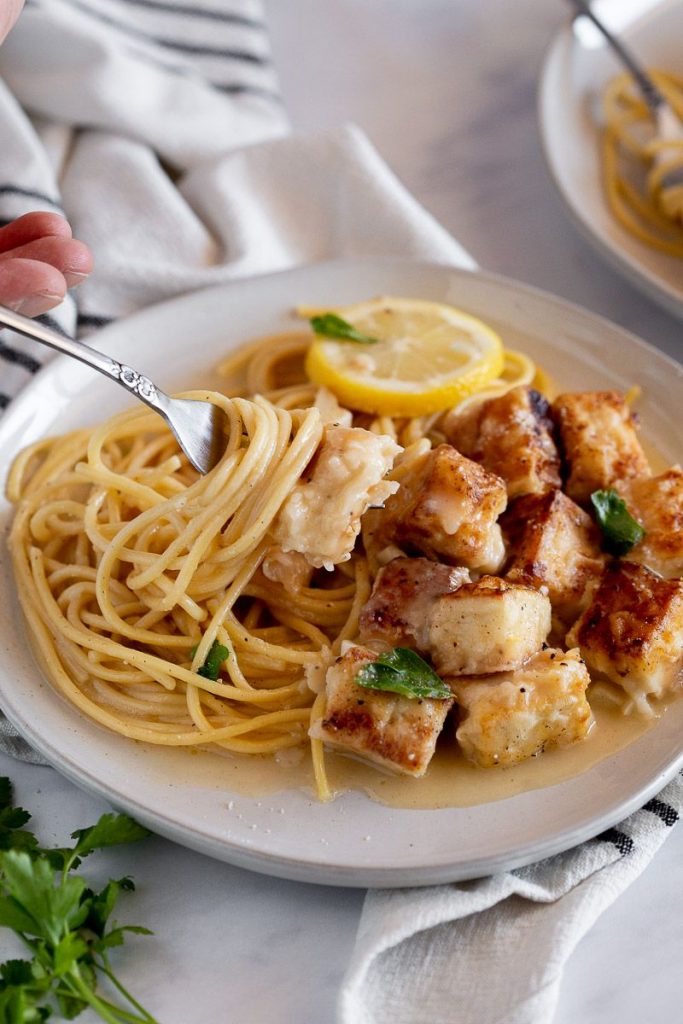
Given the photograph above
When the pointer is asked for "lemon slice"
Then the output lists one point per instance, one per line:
(427, 357)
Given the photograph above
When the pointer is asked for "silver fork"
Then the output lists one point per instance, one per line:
(667, 123)
(201, 428)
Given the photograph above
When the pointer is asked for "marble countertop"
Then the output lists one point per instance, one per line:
(446, 92)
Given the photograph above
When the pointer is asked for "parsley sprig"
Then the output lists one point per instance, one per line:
(329, 325)
(65, 924)
(213, 661)
(403, 671)
(620, 531)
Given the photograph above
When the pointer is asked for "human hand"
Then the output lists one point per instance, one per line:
(9, 12)
(39, 260)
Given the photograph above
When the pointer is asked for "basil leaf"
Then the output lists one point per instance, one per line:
(329, 325)
(403, 671)
(619, 529)
(213, 661)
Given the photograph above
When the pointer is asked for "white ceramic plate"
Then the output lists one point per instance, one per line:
(351, 841)
(571, 83)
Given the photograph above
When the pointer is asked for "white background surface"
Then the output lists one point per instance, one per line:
(446, 91)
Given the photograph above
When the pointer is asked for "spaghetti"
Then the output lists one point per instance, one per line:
(636, 164)
(130, 566)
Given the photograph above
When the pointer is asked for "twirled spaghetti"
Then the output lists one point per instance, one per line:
(636, 163)
(130, 566)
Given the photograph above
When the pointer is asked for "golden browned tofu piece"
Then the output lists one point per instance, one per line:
(632, 631)
(487, 626)
(553, 543)
(657, 503)
(600, 443)
(512, 436)
(506, 718)
(396, 732)
(446, 508)
(402, 598)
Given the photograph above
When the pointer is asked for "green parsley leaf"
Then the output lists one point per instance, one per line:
(110, 830)
(213, 661)
(5, 792)
(619, 529)
(329, 325)
(403, 671)
(16, 972)
(62, 921)
(53, 909)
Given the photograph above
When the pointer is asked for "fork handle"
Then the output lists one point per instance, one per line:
(136, 383)
(651, 93)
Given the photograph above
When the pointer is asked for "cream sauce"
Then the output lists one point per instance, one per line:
(450, 780)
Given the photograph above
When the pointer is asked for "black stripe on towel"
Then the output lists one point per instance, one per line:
(194, 49)
(18, 358)
(89, 320)
(232, 88)
(15, 190)
(668, 814)
(4, 400)
(227, 17)
(623, 843)
(240, 89)
(54, 325)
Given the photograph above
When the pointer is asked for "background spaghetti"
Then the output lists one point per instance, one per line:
(635, 163)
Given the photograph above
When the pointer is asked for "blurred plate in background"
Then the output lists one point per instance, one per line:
(577, 67)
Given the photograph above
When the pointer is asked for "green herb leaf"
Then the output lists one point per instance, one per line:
(62, 921)
(14, 917)
(403, 671)
(110, 830)
(16, 972)
(5, 792)
(31, 885)
(213, 661)
(619, 529)
(329, 325)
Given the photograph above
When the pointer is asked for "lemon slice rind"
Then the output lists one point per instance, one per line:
(429, 357)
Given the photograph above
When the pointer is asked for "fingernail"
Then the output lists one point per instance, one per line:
(73, 277)
(34, 305)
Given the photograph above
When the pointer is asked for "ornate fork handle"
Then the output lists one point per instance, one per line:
(137, 383)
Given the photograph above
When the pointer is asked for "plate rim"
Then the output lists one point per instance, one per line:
(323, 872)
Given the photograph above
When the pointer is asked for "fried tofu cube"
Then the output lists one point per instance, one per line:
(632, 631)
(507, 718)
(398, 733)
(446, 508)
(553, 544)
(321, 517)
(512, 436)
(402, 597)
(600, 442)
(487, 626)
(657, 503)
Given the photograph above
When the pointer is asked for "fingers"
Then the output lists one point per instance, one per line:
(32, 226)
(30, 286)
(70, 257)
(39, 260)
(9, 12)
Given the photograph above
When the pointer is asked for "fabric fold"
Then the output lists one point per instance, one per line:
(492, 951)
